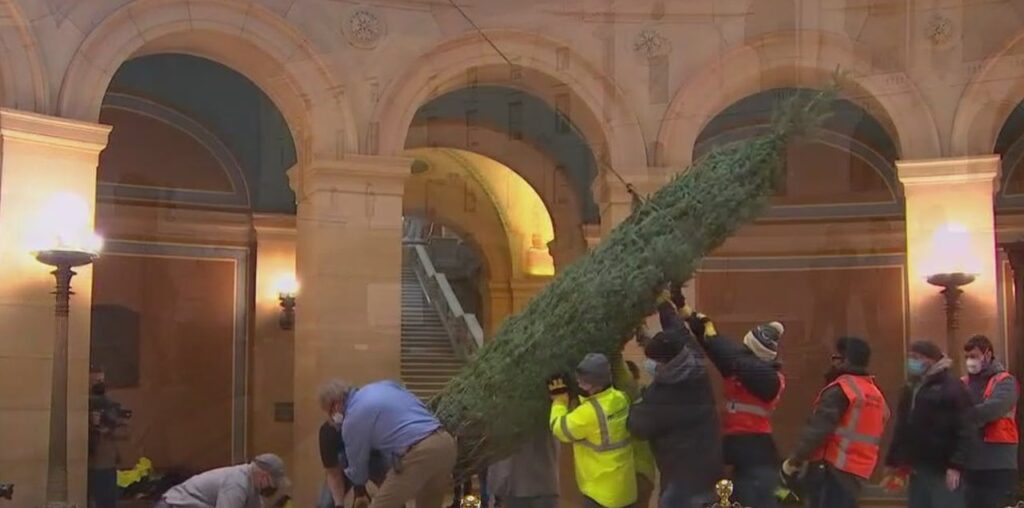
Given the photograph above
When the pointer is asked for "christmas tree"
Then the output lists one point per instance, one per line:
(500, 398)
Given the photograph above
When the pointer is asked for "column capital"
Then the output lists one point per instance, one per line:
(949, 170)
(53, 131)
(353, 174)
(272, 225)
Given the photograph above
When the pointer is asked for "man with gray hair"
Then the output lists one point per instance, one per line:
(332, 448)
(384, 416)
(240, 486)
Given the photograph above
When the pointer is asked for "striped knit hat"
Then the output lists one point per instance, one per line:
(763, 340)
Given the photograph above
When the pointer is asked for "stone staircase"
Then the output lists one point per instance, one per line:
(428, 359)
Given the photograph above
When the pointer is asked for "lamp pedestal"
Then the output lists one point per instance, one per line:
(951, 293)
(63, 262)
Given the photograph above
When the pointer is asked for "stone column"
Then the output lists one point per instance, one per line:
(950, 228)
(273, 348)
(501, 305)
(523, 291)
(41, 156)
(349, 262)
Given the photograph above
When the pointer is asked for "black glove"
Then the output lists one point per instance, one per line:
(698, 323)
(558, 386)
(676, 294)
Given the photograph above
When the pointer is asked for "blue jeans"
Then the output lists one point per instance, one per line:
(755, 486)
(102, 487)
(928, 490)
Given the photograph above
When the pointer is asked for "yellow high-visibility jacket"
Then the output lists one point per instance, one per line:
(601, 445)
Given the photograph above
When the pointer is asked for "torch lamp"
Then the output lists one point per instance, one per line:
(951, 283)
(64, 251)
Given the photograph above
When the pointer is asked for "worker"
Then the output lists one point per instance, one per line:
(991, 477)
(677, 413)
(839, 446)
(753, 386)
(244, 486)
(386, 417)
(932, 438)
(642, 454)
(602, 447)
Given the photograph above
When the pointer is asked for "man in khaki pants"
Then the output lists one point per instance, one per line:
(385, 417)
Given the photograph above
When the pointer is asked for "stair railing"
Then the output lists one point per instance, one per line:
(463, 328)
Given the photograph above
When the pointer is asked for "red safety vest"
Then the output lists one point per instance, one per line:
(745, 413)
(1004, 429)
(853, 446)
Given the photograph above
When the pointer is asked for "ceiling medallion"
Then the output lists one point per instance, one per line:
(364, 29)
(649, 43)
(939, 30)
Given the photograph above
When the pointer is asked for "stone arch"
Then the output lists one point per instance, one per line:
(987, 101)
(22, 81)
(444, 68)
(241, 35)
(803, 59)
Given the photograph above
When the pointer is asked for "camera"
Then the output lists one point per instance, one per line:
(7, 491)
(112, 414)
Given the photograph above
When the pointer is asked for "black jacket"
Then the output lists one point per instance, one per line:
(761, 379)
(933, 429)
(678, 416)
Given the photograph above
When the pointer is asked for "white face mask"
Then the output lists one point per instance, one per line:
(338, 418)
(973, 365)
(650, 366)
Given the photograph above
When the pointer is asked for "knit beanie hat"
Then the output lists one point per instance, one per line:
(665, 346)
(595, 369)
(926, 349)
(763, 340)
(855, 350)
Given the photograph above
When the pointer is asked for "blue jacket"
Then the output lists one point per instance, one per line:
(386, 417)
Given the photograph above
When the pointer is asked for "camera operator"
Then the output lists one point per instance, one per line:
(108, 424)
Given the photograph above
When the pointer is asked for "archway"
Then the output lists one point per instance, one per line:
(988, 103)
(196, 150)
(543, 67)
(806, 59)
(246, 37)
(23, 84)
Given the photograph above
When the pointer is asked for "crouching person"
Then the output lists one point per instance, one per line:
(602, 447)
(385, 417)
(244, 486)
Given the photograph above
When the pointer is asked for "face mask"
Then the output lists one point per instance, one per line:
(337, 418)
(268, 491)
(973, 365)
(99, 389)
(650, 366)
(916, 367)
(832, 374)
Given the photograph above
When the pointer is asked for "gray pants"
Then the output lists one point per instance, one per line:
(928, 490)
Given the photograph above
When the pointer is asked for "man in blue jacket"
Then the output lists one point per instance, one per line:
(385, 417)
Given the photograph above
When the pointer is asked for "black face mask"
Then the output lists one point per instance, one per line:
(268, 491)
(99, 389)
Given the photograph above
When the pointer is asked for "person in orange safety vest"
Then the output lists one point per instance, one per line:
(991, 477)
(839, 446)
(753, 387)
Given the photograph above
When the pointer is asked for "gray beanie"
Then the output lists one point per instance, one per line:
(595, 369)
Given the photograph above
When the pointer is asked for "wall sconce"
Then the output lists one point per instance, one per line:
(287, 289)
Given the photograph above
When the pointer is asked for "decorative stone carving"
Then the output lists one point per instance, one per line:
(939, 30)
(649, 43)
(364, 28)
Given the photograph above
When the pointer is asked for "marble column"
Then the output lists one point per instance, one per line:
(348, 261)
(41, 156)
(950, 228)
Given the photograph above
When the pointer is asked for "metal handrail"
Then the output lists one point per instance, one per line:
(463, 328)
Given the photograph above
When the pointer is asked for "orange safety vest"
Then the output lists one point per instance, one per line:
(853, 446)
(1004, 429)
(745, 413)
